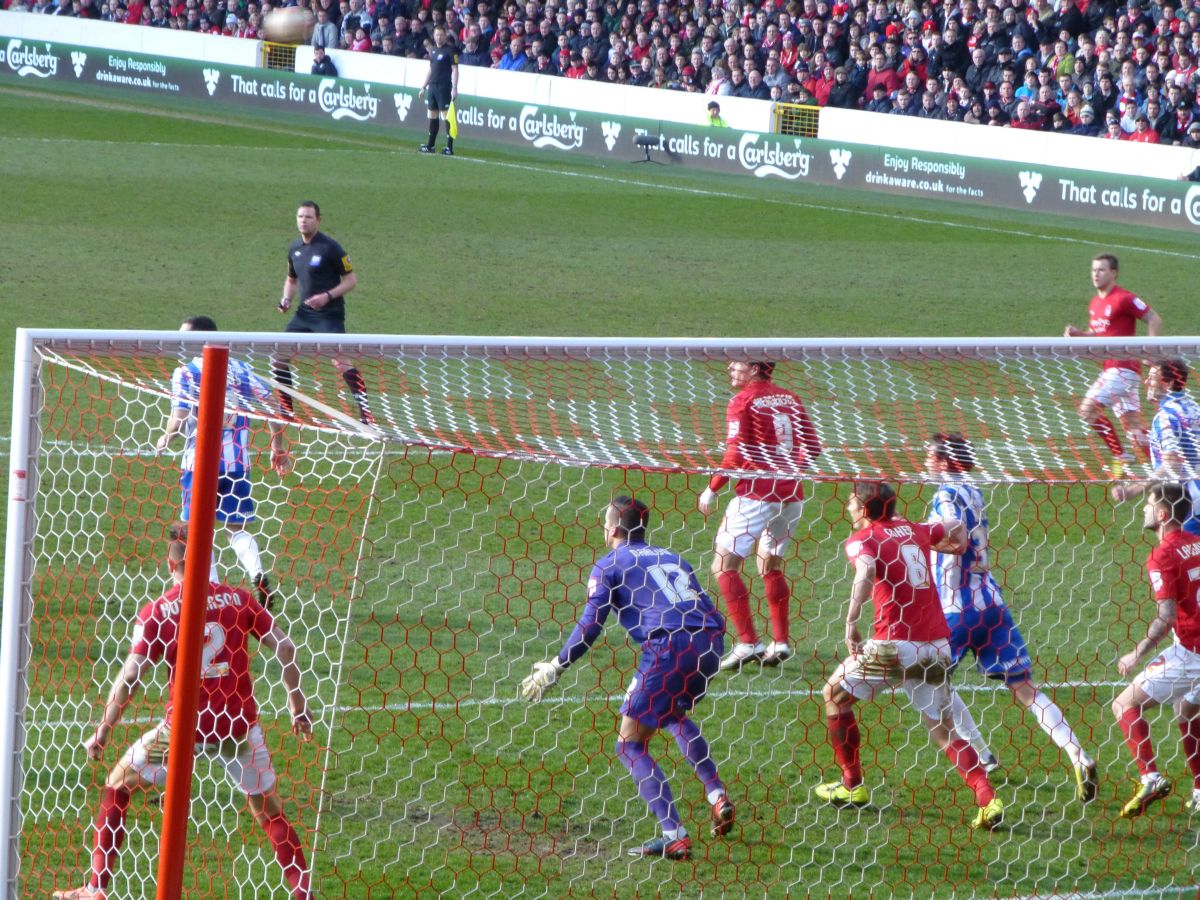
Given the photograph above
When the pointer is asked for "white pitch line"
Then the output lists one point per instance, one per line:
(1117, 892)
(468, 703)
(357, 146)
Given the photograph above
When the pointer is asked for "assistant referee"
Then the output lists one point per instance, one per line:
(440, 88)
(321, 271)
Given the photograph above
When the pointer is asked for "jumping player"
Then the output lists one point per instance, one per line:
(978, 618)
(910, 646)
(1114, 313)
(1174, 437)
(658, 600)
(768, 430)
(1174, 675)
(235, 506)
(227, 726)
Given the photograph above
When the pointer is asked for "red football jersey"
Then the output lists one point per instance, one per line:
(1116, 316)
(906, 601)
(1174, 568)
(226, 706)
(768, 429)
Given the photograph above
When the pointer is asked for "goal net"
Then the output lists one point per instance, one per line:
(422, 564)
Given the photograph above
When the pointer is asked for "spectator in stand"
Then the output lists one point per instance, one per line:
(473, 54)
(714, 116)
(361, 42)
(322, 64)
(514, 58)
(843, 94)
(929, 108)
(1112, 127)
(755, 89)
(1143, 133)
(821, 84)
(879, 102)
(1161, 121)
(325, 33)
(1087, 126)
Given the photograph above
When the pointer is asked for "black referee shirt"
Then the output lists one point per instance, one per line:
(441, 61)
(318, 267)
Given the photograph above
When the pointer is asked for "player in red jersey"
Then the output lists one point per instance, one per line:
(1114, 313)
(909, 646)
(1174, 675)
(768, 430)
(226, 728)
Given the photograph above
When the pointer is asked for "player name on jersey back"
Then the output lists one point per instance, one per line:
(217, 601)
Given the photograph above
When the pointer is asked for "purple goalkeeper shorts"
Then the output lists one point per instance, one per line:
(672, 676)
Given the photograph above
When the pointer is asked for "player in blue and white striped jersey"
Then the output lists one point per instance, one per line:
(244, 391)
(1174, 437)
(978, 618)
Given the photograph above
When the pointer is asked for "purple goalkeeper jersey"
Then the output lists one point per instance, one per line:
(654, 593)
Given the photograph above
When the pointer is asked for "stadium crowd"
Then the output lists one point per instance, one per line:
(1120, 71)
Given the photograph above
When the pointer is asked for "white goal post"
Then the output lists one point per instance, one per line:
(423, 560)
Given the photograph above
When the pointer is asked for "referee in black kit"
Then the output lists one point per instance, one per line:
(440, 88)
(322, 271)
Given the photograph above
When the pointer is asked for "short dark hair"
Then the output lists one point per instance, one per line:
(200, 323)
(762, 368)
(1108, 258)
(1174, 372)
(877, 498)
(954, 450)
(1174, 499)
(311, 204)
(633, 517)
(177, 542)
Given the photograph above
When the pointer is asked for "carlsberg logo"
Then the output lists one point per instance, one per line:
(342, 102)
(764, 157)
(30, 61)
(550, 131)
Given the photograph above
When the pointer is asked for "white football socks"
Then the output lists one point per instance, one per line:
(246, 548)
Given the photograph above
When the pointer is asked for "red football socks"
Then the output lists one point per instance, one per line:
(966, 760)
(844, 738)
(737, 600)
(778, 597)
(110, 834)
(289, 854)
(1137, 737)
(1190, 729)
(1103, 426)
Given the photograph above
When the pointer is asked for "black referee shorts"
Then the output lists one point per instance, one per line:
(317, 325)
(437, 97)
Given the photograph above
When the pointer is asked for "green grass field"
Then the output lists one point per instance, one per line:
(428, 776)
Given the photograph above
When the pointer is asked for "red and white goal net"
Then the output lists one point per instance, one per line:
(424, 562)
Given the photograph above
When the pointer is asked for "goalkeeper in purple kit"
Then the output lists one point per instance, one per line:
(658, 600)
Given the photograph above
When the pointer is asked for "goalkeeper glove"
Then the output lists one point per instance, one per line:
(544, 676)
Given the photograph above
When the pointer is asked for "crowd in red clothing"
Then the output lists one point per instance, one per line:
(1126, 70)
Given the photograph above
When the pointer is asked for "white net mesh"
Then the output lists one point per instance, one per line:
(424, 563)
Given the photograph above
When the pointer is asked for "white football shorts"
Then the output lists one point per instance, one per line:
(1171, 676)
(920, 668)
(1118, 389)
(767, 522)
(247, 761)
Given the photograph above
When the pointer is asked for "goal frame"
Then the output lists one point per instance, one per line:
(25, 437)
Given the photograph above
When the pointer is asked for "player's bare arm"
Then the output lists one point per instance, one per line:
(860, 592)
(1158, 629)
(955, 540)
(281, 459)
(320, 300)
(285, 653)
(289, 291)
(123, 687)
(1173, 468)
(175, 423)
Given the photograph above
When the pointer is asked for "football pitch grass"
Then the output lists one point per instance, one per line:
(126, 214)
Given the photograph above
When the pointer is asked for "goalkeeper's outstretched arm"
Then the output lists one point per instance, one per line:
(585, 633)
